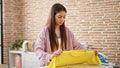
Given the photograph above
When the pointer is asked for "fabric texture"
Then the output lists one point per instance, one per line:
(43, 49)
(75, 57)
(103, 58)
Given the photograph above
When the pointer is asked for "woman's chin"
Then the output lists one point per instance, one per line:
(60, 23)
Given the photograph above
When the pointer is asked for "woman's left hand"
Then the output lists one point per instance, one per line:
(96, 52)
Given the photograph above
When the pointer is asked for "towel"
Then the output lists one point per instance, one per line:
(75, 57)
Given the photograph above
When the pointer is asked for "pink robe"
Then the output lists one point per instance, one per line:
(42, 45)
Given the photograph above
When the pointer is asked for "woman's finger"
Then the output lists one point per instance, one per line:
(96, 52)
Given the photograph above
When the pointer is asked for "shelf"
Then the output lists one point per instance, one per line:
(15, 51)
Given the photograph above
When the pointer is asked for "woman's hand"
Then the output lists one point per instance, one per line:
(56, 53)
(96, 52)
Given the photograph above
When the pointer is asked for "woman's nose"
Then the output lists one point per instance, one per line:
(63, 19)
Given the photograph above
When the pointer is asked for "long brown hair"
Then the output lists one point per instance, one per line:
(57, 7)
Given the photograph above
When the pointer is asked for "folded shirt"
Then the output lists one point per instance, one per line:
(75, 57)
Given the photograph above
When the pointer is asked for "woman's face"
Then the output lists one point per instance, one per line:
(60, 18)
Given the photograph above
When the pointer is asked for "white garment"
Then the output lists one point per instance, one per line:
(59, 43)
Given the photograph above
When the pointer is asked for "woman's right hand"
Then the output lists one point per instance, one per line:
(56, 53)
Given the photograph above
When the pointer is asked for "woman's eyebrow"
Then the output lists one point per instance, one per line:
(61, 15)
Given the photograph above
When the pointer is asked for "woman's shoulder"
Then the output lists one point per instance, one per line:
(44, 30)
(68, 31)
(69, 34)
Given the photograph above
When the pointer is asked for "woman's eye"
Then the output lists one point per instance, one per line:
(59, 16)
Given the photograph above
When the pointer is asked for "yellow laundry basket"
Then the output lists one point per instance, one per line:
(75, 57)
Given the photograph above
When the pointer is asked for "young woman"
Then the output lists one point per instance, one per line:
(55, 37)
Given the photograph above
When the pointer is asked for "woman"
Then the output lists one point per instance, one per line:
(47, 44)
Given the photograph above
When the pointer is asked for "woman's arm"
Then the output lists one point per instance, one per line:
(76, 45)
(39, 46)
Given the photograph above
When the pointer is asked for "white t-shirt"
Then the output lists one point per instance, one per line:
(59, 43)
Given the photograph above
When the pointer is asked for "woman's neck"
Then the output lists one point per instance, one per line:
(57, 27)
(57, 31)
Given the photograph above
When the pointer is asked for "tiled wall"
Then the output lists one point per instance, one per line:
(96, 22)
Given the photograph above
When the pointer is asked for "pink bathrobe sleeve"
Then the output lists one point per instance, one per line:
(77, 45)
(71, 41)
(43, 56)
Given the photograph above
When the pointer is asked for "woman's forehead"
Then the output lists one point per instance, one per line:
(62, 13)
